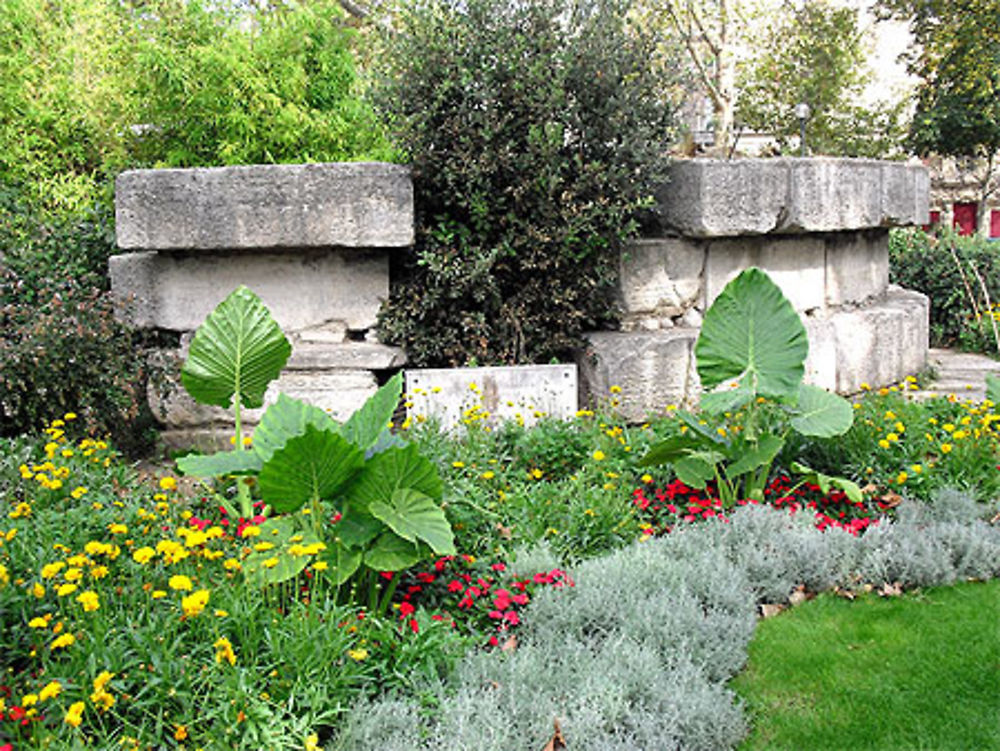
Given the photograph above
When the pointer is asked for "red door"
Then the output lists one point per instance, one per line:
(965, 218)
(935, 220)
(995, 223)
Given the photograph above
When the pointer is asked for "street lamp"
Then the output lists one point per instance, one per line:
(802, 112)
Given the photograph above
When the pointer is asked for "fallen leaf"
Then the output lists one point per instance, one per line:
(890, 590)
(891, 500)
(769, 610)
(510, 645)
(557, 741)
(847, 594)
(505, 532)
(798, 597)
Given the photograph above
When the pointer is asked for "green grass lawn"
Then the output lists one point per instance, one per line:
(917, 672)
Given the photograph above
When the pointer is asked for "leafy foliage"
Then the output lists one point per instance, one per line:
(536, 130)
(936, 265)
(816, 54)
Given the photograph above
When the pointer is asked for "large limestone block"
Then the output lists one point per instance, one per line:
(726, 198)
(857, 266)
(496, 393)
(352, 205)
(661, 276)
(303, 290)
(653, 369)
(796, 263)
(821, 362)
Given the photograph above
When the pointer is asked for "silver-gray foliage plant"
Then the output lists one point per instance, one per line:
(636, 656)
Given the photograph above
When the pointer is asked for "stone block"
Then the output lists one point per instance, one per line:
(338, 392)
(345, 356)
(661, 277)
(304, 290)
(493, 394)
(653, 369)
(821, 363)
(797, 264)
(857, 266)
(351, 205)
(719, 198)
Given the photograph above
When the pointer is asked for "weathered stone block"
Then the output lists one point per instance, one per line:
(821, 363)
(653, 369)
(661, 277)
(857, 266)
(525, 392)
(716, 198)
(351, 205)
(797, 264)
(303, 290)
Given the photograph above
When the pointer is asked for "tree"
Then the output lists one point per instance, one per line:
(815, 54)
(956, 55)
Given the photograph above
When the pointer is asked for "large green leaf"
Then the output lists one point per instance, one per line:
(413, 516)
(277, 564)
(314, 465)
(820, 413)
(695, 470)
(756, 456)
(357, 527)
(218, 464)
(752, 334)
(826, 482)
(393, 470)
(287, 418)
(392, 553)
(364, 427)
(341, 563)
(239, 349)
(993, 388)
(668, 450)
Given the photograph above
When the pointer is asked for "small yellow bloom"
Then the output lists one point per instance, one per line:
(38, 590)
(74, 715)
(312, 742)
(66, 589)
(168, 483)
(263, 547)
(901, 478)
(488, 474)
(945, 448)
(62, 641)
(598, 456)
(883, 443)
(458, 465)
(615, 389)
(118, 529)
(180, 582)
(78, 492)
(320, 566)
(89, 600)
(38, 622)
(102, 680)
(358, 654)
(143, 555)
(180, 733)
(269, 563)
(250, 531)
(195, 603)
(50, 691)
(224, 651)
(231, 564)
(158, 594)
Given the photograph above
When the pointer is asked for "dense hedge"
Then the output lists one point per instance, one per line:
(536, 131)
(943, 266)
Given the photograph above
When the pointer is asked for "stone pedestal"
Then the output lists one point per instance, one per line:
(312, 240)
(819, 227)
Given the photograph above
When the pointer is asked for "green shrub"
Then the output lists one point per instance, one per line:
(536, 130)
(943, 267)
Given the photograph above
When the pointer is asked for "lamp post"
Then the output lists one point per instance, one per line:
(802, 112)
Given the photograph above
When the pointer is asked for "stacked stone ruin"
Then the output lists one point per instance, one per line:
(819, 227)
(314, 242)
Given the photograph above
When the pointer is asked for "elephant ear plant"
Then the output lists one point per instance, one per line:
(309, 468)
(750, 357)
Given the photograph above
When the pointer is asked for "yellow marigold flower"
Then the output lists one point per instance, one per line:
(214, 532)
(883, 443)
(102, 680)
(536, 473)
(180, 582)
(158, 594)
(901, 478)
(102, 700)
(958, 435)
(51, 690)
(224, 651)
(598, 456)
(143, 555)
(196, 538)
(947, 427)
(320, 566)
(62, 641)
(180, 733)
(4, 576)
(488, 474)
(38, 622)
(312, 742)
(73, 574)
(945, 448)
(26, 473)
(74, 715)
(118, 529)
(221, 613)
(250, 531)
(269, 563)
(231, 564)
(358, 654)
(168, 483)
(66, 589)
(917, 468)
(89, 600)
(21, 511)
(78, 492)
(458, 465)
(263, 547)
(194, 603)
